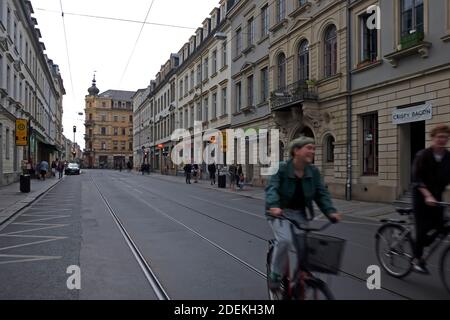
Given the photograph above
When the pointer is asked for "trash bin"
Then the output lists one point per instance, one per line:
(25, 183)
(222, 183)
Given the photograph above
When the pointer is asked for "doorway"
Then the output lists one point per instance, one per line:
(412, 140)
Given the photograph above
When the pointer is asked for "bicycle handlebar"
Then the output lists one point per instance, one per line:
(296, 224)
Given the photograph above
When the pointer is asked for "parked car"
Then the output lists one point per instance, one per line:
(72, 168)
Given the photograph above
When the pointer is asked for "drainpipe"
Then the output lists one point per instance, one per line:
(348, 187)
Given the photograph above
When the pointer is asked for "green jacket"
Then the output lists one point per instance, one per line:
(281, 189)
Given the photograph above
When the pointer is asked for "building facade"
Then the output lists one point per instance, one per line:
(204, 79)
(109, 128)
(400, 91)
(31, 88)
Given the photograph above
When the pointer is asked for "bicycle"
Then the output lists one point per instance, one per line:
(322, 254)
(394, 246)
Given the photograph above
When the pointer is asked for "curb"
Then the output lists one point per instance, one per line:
(11, 212)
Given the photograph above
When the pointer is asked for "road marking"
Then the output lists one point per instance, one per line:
(33, 243)
(26, 258)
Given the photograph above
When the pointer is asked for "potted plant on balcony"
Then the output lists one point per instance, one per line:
(409, 40)
(311, 83)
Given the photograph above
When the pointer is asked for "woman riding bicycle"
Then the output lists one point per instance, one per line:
(296, 184)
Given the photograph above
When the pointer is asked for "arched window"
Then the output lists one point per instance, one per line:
(330, 51)
(303, 61)
(329, 148)
(304, 131)
(281, 68)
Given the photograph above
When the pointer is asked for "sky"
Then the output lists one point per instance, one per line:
(105, 46)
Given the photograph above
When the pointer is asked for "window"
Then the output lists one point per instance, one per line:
(238, 42)
(281, 71)
(370, 144)
(301, 3)
(192, 116)
(205, 68)
(250, 91)
(7, 143)
(199, 74)
(264, 84)
(264, 21)
(369, 41)
(250, 31)
(8, 79)
(214, 106)
(116, 131)
(1, 71)
(238, 97)
(224, 54)
(180, 119)
(124, 131)
(281, 10)
(103, 145)
(103, 118)
(130, 146)
(131, 118)
(206, 108)
(411, 16)
(329, 149)
(330, 51)
(214, 61)
(181, 88)
(103, 131)
(199, 111)
(224, 101)
(186, 118)
(192, 80)
(116, 118)
(303, 61)
(186, 84)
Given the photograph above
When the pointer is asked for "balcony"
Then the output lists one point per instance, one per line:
(89, 123)
(297, 92)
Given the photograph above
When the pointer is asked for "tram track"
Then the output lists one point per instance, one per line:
(214, 244)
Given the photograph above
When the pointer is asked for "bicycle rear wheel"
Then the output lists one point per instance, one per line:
(394, 249)
(445, 268)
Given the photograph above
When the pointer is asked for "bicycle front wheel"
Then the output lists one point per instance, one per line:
(395, 250)
(445, 268)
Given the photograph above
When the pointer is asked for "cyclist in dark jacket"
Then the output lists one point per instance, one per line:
(431, 175)
(295, 186)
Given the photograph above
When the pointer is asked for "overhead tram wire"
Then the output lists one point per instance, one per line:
(135, 44)
(67, 48)
(117, 19)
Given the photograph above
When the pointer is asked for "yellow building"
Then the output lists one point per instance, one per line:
(109, 128)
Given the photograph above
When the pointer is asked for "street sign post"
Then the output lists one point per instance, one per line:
(21, 132)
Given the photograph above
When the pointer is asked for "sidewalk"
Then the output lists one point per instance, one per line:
(12, 200)
(360, 209)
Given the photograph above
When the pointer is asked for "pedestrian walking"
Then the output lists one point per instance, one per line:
(195, 172)
(240, 177)
(232, 171)
(431, 176)
(120, 167)
(212, 173)
(54, 165)
(43, 169)
(60, 168)
(187, 171)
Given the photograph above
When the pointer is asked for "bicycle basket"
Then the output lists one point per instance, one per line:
(325, 253)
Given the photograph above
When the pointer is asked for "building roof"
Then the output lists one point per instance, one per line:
(118, 95)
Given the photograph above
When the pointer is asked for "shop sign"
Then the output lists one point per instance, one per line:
(413, 114)
(21, 132)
